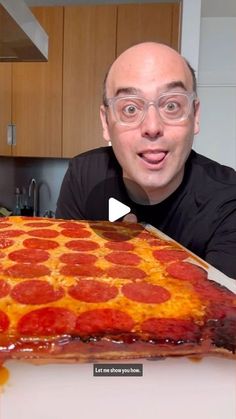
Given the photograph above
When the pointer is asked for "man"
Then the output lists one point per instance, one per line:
(150, 115)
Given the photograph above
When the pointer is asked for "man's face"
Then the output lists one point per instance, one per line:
(152, 154)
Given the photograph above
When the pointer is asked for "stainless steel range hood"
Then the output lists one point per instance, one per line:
(21, 36)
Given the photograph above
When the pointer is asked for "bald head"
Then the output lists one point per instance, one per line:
(148, 61)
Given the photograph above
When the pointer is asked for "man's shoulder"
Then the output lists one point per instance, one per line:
(104, 153)
(99, 159)
(212, 172)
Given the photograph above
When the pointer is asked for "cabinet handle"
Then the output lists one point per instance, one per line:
(11, 134)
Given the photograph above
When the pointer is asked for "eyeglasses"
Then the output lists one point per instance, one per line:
(172, 107)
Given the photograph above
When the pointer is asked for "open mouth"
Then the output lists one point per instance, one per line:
(153, 157)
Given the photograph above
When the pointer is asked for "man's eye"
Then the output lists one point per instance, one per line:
(172, 106)
(130, 109)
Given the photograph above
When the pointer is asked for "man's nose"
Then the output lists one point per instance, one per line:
(152, 125)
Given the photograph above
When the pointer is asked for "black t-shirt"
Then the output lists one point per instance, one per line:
(200, 214)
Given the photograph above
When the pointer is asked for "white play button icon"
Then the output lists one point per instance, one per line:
(116, 209)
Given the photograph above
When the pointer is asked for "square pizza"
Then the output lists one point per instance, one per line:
(80, 291)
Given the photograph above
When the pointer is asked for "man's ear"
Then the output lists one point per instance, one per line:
(196, 117)
(104, 120)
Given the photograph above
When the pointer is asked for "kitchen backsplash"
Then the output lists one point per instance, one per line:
(18, 172)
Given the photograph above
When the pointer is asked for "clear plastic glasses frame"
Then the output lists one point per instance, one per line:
(173, 107)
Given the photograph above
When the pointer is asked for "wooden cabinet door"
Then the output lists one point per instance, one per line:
(5, 106)
(37, 94)
(93, 37)
(89, 48)
(157, 22)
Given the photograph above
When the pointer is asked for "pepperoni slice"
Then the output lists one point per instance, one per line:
(212, 291)
(4, 243)
(4, 288)
(116, 224)
(47, 321)
(92, 291)
(71, 225)
(27, 270)
(78, 258)
(103, 321)
(36, 291)
(185, 270)
(75, 233)
(119, 245)
(166, 329)
(46, 233)
(144, 292)
(29, 255)
(11, 233)
(125, 272)
(132, 226)
(158, 242)
(221, 310)
(4, 322)
(39, 224)
(81, 270)
(123, 258)
(4, 225)
(43, 244)
(103, 227)
(115, 236)
(145, 235)
(82, 245)
(170, 255)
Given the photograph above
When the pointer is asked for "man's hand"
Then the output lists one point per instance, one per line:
(130, 218)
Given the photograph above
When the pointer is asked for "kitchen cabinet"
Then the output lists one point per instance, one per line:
(35, 95)
(148, 22)
(5, 106)
(89, 48)
(93, 37)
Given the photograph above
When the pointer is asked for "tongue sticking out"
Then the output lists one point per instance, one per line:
(153, 157)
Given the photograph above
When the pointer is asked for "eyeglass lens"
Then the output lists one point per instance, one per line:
(172, 107)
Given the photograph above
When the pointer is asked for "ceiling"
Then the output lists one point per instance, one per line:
(210, 8)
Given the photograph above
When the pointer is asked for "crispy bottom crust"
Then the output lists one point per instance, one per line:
(66, 349)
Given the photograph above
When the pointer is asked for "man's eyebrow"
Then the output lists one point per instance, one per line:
(175, 84)
(134, 91)
(127, 91)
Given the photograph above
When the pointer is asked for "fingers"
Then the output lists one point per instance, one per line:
(130, 218)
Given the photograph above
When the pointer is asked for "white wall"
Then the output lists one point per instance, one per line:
(209, 43)
(190, 31)
(217, 89)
